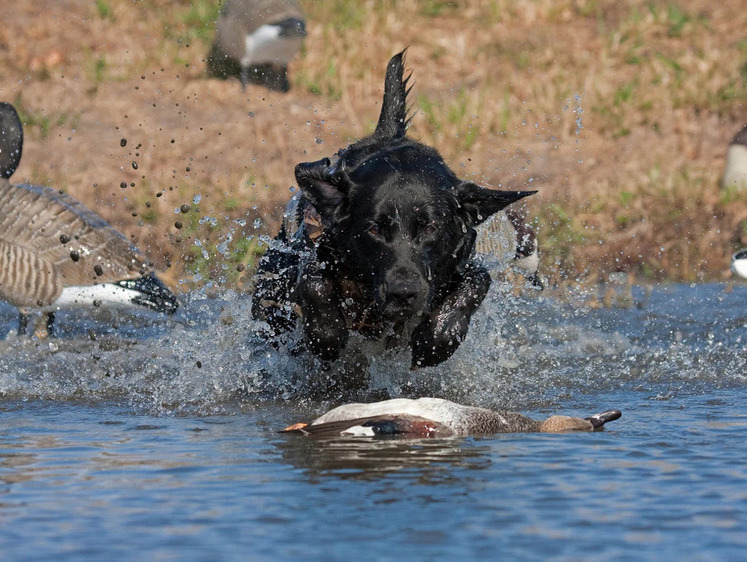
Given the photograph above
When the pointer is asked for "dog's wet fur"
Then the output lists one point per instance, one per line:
(379, 241)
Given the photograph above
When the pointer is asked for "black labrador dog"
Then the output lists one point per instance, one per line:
(379, 240)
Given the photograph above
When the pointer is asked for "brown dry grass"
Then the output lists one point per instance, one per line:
(619, 112)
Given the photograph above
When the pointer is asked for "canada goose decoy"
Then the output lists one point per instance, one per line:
(735, 172)
(507, 233)
(255, 40)
(56, 253)
(739, 263)
(436, 417)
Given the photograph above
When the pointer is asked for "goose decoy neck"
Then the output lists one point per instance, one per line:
(11, 140)
(741, 137)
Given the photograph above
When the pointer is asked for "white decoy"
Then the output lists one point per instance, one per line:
(739, 263)
(255, 40)
(56, 253)
(735, 171)
(436, 417)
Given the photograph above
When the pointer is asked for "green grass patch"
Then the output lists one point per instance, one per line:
(38, 119)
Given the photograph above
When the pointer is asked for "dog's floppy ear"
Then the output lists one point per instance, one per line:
(480, 203)
(393, 119)
(325, 184)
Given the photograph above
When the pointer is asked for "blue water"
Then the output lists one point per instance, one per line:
(142, 439)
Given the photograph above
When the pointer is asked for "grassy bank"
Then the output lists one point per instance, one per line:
(619, 113)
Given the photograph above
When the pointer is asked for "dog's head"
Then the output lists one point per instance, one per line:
(395, 217)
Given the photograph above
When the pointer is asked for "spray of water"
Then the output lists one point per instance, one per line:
(522, 352)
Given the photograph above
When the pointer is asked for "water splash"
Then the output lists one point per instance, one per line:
(579, 113)
(522, 352)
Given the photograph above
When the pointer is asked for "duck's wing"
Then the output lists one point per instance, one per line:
(55, 228)
(375, 426)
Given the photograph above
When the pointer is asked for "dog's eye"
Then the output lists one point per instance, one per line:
(430, 229)
(374, 230)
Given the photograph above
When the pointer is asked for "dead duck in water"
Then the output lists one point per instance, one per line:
(56, 253)
(436, 417)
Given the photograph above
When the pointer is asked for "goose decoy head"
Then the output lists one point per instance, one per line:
(739, 263)
(11, 140)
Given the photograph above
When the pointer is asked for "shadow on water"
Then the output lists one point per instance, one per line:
(523, 353)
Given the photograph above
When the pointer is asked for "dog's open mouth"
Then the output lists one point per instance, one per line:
(394, 312)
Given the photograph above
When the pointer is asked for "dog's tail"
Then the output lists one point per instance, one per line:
(393, 120)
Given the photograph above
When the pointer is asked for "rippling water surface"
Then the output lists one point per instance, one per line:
(140, 438)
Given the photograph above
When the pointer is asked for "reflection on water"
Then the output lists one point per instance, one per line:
(369, 458)
(159, 437)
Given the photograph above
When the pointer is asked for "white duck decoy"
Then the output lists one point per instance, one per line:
(56, 253)
(256, 39)
(735, 171)
(739, 263)
(436, 417)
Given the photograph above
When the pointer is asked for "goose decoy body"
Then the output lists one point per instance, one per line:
(56, 253)
(739, 263)
(436, 417)
(255, 40)
(507, 233)
(735, 172)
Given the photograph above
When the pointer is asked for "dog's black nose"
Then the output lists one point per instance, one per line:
(402, 292)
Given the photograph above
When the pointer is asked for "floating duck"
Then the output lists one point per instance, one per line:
(255, 40)
(436, 417)
(739, 263)
(735, 172)
(56, 253)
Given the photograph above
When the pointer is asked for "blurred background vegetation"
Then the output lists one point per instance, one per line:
(618, 112)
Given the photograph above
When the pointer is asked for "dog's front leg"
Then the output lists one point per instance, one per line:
(439, 335)
(324, 329)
